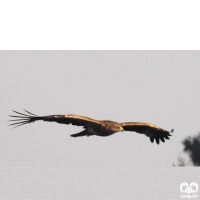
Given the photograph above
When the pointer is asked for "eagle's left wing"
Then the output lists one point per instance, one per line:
(150, 130)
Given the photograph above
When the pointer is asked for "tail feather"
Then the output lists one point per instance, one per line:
(82, 133)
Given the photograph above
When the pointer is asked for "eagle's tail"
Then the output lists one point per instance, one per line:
(82, 133)
(23, 118)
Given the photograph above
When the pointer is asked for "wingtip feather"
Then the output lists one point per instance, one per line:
(30, 112)
(162, 139)
(20, 125)
(21, 113)
(152, 139)
(157, 140)
(166, 137)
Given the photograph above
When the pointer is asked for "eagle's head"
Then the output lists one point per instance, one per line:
(118, 129)
(113, 127)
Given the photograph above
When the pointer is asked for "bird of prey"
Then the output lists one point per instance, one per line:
(96, 127)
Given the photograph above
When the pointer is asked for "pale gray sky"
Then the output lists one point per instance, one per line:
(42, 161)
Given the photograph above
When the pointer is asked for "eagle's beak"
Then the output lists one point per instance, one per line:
(121, 129)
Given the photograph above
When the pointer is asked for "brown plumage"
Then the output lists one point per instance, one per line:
(96, 127)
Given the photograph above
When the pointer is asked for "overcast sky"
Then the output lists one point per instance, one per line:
(41, 160)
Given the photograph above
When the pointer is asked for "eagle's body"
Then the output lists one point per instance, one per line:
(97, 127)
(108, 128)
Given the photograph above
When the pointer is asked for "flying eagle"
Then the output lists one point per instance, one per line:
(96, 127)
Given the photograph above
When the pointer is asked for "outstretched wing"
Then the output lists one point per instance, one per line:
(62, 119)
(150, 130)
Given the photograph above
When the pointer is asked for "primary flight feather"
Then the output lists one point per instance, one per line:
(96, 127)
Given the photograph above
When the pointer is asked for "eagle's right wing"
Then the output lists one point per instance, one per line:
(62, 119)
